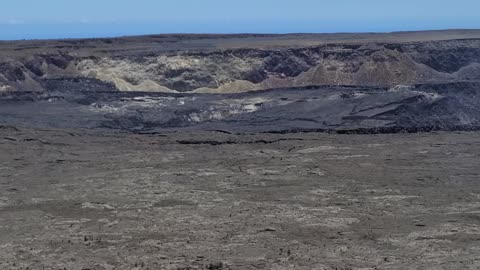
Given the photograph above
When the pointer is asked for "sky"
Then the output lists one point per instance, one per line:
(40, 19)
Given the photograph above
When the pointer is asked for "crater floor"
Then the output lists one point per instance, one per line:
(209, 200)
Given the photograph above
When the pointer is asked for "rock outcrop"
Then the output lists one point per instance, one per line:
(211, 65)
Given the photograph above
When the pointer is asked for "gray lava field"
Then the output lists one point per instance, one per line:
(301, 151)
(451, 106)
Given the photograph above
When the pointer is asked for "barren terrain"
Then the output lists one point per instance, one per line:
(77, 200)
(300, 151)
(239, 63)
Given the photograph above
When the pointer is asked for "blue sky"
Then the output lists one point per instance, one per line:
(27, 19)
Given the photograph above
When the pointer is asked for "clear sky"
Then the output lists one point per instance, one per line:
(27, 19)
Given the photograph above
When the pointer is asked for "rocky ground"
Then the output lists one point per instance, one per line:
(72, 199)
(450, 106)
(414, 81)
(325, 151)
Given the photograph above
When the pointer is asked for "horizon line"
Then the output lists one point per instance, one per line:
(94, 37)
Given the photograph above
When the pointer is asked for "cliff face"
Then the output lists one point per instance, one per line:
(342, 83)
(175, 65)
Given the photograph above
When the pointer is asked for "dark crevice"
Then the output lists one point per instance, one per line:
(215, 143)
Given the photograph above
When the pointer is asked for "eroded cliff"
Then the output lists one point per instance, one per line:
(175, 65)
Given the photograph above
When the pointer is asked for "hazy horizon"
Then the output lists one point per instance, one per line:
(108, 18)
